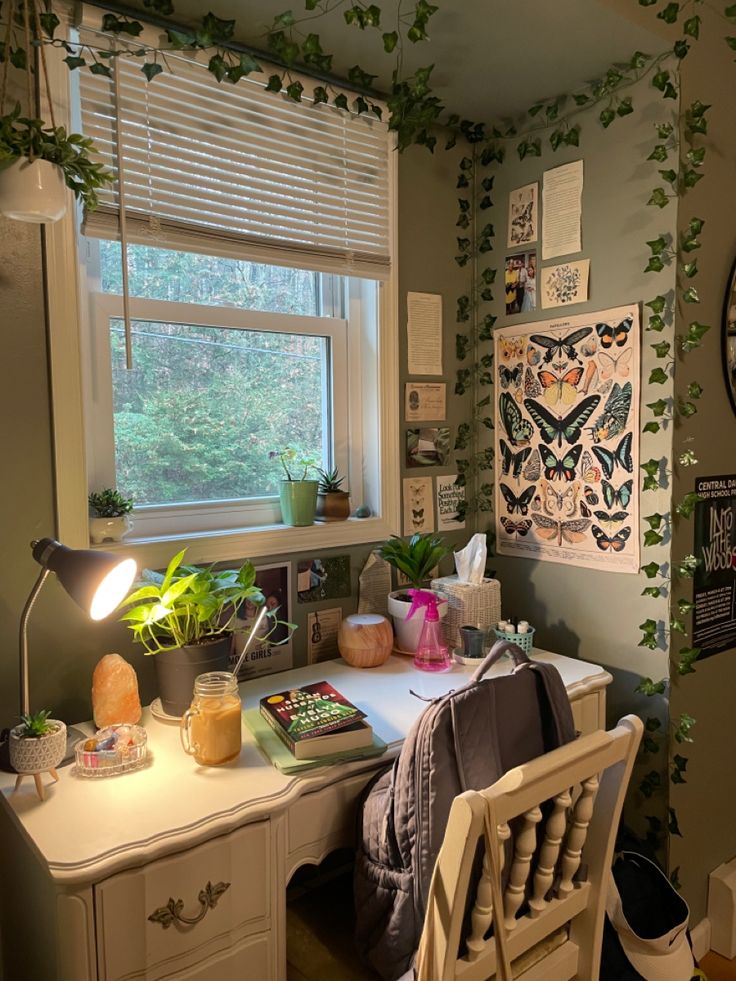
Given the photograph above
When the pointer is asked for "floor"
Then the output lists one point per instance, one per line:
(717, 968)
(319, 934)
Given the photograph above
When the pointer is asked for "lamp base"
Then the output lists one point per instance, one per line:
(72, 738)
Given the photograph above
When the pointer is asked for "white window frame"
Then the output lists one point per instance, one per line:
(181, 518)
(373, 394)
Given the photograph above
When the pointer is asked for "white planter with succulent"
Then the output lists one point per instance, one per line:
(37, 746)
(109, 516)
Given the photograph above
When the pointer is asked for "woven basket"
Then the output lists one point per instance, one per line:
(476, 604)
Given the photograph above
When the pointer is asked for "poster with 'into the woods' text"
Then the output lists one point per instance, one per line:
(567, 443)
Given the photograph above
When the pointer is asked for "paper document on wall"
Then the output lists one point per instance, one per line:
(322, 628)
(375, 585)
(424, 333)
(562, 194)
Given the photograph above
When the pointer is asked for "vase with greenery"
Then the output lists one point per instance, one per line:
(415, 560)
(109, 515)
(36, 161)
(38, 744)
(333, 504)
(297, 492)
(187, 617)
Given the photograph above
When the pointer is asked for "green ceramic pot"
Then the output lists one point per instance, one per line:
(298, 502)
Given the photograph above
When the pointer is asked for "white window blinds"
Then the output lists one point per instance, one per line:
(273, 180)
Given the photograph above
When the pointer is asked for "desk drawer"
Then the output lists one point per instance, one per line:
(184, 887)
(326, 818)
(589, 712)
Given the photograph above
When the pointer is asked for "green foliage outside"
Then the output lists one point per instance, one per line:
(196, 417)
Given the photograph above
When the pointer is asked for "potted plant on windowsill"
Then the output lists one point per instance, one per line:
(109, 518)
(186, 618)
(333, 504)
(297, 493)
(36, 161)
(414, 559)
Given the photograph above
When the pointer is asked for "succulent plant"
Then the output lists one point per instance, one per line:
(109, 503)
(36, 724)
(329, 480)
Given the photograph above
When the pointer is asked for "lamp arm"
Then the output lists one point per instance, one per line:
(23, 639)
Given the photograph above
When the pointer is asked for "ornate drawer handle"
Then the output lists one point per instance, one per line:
(171, 912)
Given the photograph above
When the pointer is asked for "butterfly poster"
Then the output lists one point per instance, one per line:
(418, 505)
(567, 440)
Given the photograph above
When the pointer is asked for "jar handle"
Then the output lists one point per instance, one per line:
(185, 733)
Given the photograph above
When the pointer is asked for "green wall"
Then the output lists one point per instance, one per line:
(64, 646)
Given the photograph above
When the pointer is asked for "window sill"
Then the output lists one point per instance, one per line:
(251, 543)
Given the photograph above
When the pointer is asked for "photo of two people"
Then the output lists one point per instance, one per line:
(520, 282)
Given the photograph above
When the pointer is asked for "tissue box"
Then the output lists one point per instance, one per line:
(477, 604)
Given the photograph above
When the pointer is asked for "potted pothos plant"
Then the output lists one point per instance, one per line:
(333, 504)
(415, 560)
(298, 491)
(186, 617)
(37, 161)
(109, 515)
(37, 744)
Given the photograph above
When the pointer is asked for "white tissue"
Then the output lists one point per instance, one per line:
(470, 561)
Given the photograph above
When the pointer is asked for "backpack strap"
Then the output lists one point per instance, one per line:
(500, 648)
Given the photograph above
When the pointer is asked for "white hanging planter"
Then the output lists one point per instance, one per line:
(32, 191)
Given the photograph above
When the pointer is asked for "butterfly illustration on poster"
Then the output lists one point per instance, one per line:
(567, 440)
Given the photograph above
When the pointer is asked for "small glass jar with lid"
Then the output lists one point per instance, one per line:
(211, 726)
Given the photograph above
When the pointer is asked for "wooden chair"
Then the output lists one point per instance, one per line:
(551, 923)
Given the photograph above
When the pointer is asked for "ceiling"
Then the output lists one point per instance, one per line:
(492, 57)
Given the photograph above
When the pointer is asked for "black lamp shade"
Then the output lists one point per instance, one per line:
(96, 581)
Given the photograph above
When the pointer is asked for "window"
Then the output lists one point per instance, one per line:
(257, 308)
(230, 360)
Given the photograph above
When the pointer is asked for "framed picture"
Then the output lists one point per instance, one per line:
(729, 338)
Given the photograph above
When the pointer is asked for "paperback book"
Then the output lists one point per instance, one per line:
(316, 720)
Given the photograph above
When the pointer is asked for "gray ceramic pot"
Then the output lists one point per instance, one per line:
(177, 669)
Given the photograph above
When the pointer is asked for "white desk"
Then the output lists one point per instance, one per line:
(83, 871)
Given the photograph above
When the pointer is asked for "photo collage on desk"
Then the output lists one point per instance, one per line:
(567, 440)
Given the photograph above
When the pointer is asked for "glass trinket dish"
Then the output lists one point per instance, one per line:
(112, 750)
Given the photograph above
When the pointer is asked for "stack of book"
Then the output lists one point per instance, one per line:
(316, 721)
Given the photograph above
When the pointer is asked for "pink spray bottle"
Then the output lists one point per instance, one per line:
(432, 653)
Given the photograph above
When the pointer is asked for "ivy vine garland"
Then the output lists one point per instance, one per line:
(414, 109)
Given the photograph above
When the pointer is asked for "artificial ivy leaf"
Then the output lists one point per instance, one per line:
(606, 117)
(99, 69)
(74, 61)
(686, 409)
(656, 323)
(694, 390)
(690, 295)
(49, 22)
(657, 245)
(274, 84)
(150, 69)
(341, 102)
(670, 13)
(696, 225)
(485, 203)
(683, 727)
(730, 11)
(659, 197)
(659, 153)
(625, 107)
(662, 349)
(690, 269)
(681, 49)
(218, 67)
(650, 484)
(652, 779)
(687, 505)
(222, 30)
(653, 591)
(691, 27)
(677, 626)
(659, 81)
(572, 137)
(661, 405)
(650, 467)
(731, 42)
(656, 305)
(648, 687)
(664, 130)
(651, 538)
(655, 264)
(669, 175)
(686, 567)
(687, 459)
(179, 39)
(685, 606)
(691, 177)
(651, 570)
(581, 98)
(358, 77)
(651, 427)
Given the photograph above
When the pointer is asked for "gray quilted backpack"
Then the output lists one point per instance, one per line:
(464, 740)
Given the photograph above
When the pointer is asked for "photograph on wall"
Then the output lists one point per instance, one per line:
(567, 440)
(319, 579)
(427, 447)
(322, 628)
(522, 228)
(520, 283)
(565, 284)
(276, 652)
(450, 497)
(418, 505)
(425, 402)
(714, 584)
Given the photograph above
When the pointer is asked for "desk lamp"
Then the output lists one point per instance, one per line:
(97, 581)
